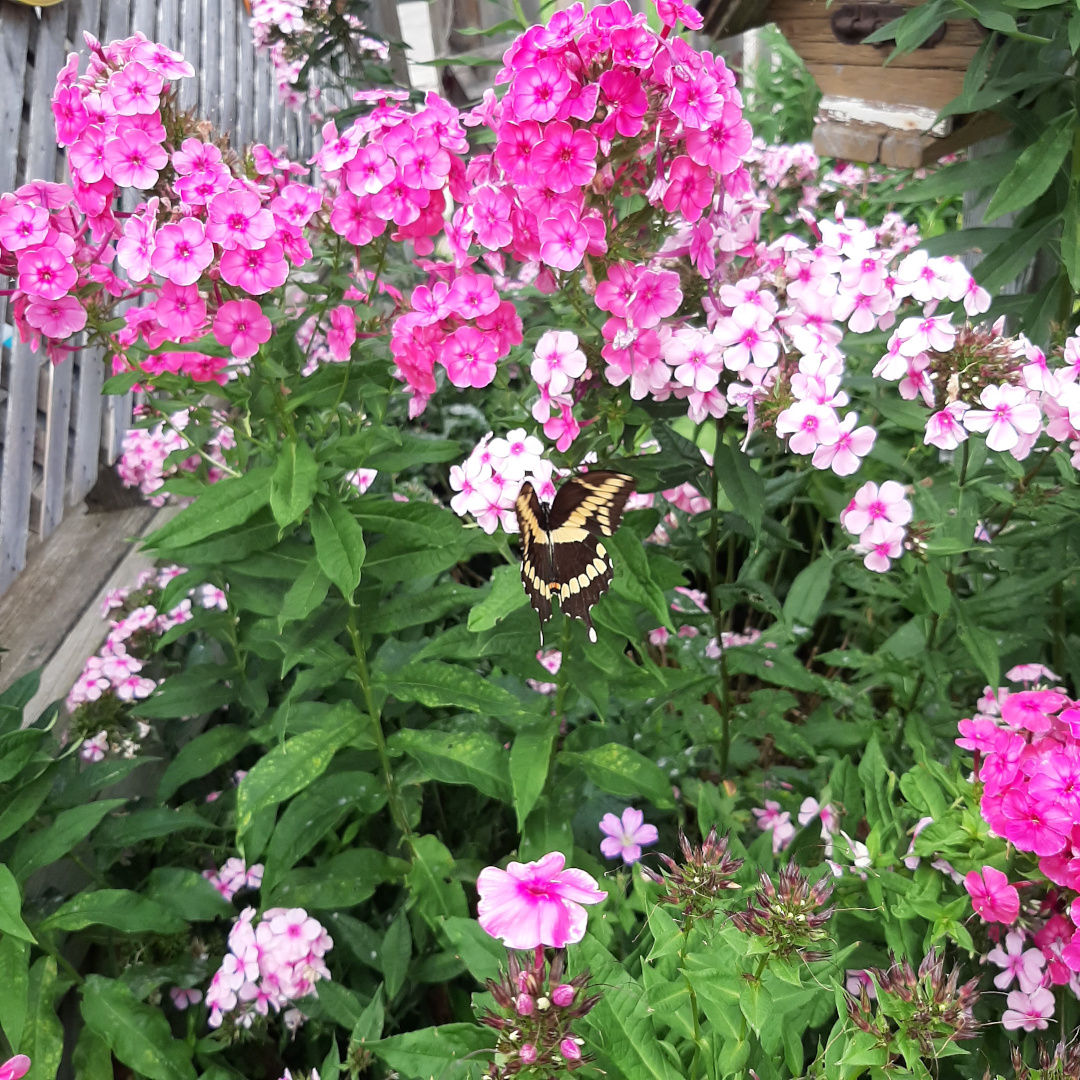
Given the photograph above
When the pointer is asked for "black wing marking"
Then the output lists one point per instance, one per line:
(585, 571)
(537, 570)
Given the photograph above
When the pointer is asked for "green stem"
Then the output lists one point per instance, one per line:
(397, 807)
(683, 948)
(561, 678)
(964, 462)
(714, 608)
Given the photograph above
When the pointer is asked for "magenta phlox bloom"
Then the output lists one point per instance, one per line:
(626, 835)
(15, 1067)
(536, 903)
(993, 898)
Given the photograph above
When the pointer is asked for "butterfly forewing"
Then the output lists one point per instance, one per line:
(562, 554)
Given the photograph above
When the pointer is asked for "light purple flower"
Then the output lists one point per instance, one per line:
(625, 837)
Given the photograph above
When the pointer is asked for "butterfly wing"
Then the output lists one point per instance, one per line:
(594, 502)
(537, 569)
(585, 509)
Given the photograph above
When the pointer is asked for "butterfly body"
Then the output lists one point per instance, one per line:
(563, 557)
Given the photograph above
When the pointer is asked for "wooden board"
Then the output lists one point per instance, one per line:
(62, 581)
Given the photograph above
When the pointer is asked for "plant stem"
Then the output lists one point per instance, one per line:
(693, 995)
(561, 678)
(397, 807)
(714, 608)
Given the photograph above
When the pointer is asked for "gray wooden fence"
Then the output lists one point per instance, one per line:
(55, 426)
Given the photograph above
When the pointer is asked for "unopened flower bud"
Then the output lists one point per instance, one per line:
(562, 995)
(527, 1054)
(570, 1050)
(543, 1004)
(524, 1005)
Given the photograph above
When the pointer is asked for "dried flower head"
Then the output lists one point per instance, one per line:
(704, 874)
(790, 916)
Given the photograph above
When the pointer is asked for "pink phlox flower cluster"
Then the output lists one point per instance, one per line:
(558, 363)
(878, 516)
(145, 456)
(233, 876)
(270, 963)
(731, 639)
(551, 661)
(1027, 744)
(489, 480)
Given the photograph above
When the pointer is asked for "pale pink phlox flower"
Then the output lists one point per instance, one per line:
(873, 503)
(1028, 1011)
(880, 542)
(536, 903)
(1016, 962)
(1007, 415)
(627, 835)
(845, 455)
(772, 819)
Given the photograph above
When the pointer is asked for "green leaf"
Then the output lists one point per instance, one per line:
(16, 750)
(369, 1027)
(476, 949)
(1035, 168)
(413, 450)
(416, 608)
(187, 894)
(221, 506)
(128, 829)
(344, 881)
(741, 484)
(619, 1024)
(474, 758)
(24, 805)
(980, 644)
(194, 692)
(202, 755)
(11, 908)
(42, 1038)
(290, 767)
(808, 592)
(305, 594)
(122, 910)
(621, 771)
(92, 1058)
(137, 1034)
(439, 685)
(1070, 229)
(507, 595)
(15, 978)
(396, 954)
(47, 845)
(313, 813)
(433, 892)
(633, 578)
(339, 544)
(293, 484)
(435, 1053)
(530, 757)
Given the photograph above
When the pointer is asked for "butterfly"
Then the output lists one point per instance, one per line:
(562, 556)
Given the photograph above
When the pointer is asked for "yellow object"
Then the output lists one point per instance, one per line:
(39, 3)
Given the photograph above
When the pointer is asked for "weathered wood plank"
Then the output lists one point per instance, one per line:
(16, 484)
(228, 67)
(168, 23)
(263, 91)
(14, 37)
(245, 109)
(88, 409)
(191, 46)
(144, 18)
(209, 69)
(61, 579)
(57, 418)
(117, 19)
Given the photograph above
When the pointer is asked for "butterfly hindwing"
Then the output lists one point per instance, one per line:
(562, 555)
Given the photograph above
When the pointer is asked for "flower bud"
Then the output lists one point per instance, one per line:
(562, 995)
(527, 1054)
(569, 1049)
(524, 1005)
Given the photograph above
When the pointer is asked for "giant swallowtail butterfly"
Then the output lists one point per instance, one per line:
(562, 557)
